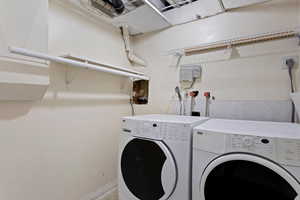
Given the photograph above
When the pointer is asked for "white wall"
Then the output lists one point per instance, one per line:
(23, 24)
(255, 74)
(66, 148)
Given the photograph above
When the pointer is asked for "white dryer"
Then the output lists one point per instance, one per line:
(155, 157)
(246, 160)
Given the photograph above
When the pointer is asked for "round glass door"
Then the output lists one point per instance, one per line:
(248, 180)
(143, 167)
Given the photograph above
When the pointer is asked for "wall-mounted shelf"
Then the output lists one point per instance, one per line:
(25, 24)
(22, 80)
(240, 42)
(235, 42)
(81, 63)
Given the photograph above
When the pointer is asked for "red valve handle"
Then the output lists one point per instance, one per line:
(207, 94)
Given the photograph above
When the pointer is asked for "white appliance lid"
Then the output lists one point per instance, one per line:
(169, 118)
(255, 128)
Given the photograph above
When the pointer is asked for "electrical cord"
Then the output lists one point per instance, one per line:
(131, 99)
(132, 107)
(290, 63)
(177, 91)
(291, 80)
(178, 60)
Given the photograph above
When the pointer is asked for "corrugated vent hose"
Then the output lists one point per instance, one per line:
(118, 5)
(109, 7)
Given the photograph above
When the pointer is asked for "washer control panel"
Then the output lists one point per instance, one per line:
(176, 132)
(252, 144)
(157, 130)
(149, 129)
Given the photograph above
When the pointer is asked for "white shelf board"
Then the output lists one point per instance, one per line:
(22, 80)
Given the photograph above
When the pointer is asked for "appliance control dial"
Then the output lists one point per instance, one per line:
(248, 141)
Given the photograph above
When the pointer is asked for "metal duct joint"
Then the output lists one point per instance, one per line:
(118, 6)
(109, 7)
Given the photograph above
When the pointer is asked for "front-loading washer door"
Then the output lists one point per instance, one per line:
(148, 169)
(247, 177)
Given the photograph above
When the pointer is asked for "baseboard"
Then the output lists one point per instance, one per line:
(107, 192)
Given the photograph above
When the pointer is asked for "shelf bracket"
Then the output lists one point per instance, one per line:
(69, 75)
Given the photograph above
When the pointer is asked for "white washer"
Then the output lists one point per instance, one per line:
(246, 160)
(155, 157)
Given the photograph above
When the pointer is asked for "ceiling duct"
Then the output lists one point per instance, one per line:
(118, 6)
(112, 8)
(104, 7)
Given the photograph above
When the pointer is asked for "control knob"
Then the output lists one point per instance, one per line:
(248, 141)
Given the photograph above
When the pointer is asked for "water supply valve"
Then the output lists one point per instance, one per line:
(207, 94)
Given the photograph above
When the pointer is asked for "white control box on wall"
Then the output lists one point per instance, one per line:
(23, 24)
(189, 72)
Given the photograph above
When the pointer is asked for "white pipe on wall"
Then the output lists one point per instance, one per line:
(73, 63)
(130, 54)
(82, 96)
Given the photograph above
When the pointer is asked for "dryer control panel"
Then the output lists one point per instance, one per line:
(284, 151)
(288, 151)
(252, 144)
(221, 143)
(281, 150)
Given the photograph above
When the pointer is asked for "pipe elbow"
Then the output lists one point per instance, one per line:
(135, 59)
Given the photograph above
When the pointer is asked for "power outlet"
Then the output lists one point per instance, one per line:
(284, 59)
